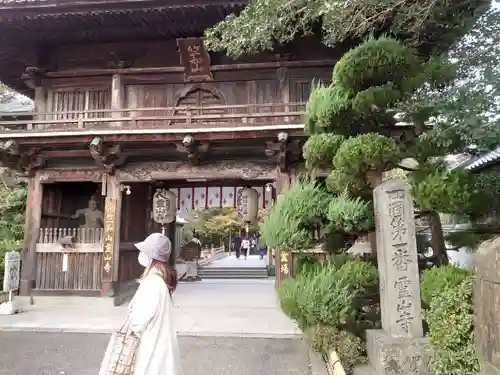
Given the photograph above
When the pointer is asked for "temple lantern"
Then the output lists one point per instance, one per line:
(164, 207)
(248, 204)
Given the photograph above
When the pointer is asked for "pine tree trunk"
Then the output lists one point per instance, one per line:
(437, 239)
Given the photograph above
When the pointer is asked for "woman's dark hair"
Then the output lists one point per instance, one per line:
(169, 273)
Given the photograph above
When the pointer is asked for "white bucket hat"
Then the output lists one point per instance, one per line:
(156, 246)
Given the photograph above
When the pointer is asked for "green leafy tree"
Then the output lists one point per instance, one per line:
(5, 93)
(13, 208)
(467, 110)
(265, 24)
(368, 82)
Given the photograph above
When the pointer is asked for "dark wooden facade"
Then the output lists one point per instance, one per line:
(117, 106)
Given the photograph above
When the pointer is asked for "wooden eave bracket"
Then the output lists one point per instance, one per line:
(120, 60)
(32, 77)
(108, 157)
(194, 149)
(283, 152)
(24, 161)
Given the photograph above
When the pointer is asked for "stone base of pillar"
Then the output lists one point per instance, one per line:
(395, 355)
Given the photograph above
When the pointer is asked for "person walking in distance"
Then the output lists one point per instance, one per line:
(237, 245)
(245, 246)
(151, 310)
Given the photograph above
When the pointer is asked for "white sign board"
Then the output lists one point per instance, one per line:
(12, 275)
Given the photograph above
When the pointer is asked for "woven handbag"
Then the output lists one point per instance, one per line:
(121, 352)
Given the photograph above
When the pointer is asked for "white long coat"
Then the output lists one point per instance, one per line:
(151, 316)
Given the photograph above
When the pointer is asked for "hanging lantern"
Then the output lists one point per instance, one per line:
(247, 204)
(164, 206)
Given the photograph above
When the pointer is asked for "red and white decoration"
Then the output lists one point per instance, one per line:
(199, 198)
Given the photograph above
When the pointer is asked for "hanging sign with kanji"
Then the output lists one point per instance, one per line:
(195, 60)
(247, 204)
(164, 206)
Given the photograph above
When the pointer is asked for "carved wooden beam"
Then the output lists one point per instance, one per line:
(193, 148)
(25, 161)
(283, 152)
(109, 157)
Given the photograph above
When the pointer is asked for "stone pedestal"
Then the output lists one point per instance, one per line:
(399, 348)
(396, 355)
(188, 271)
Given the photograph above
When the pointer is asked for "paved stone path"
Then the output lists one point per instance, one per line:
(225, 327)
(30, 353)
(208, 308)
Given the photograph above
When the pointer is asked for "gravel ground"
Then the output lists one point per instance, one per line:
(36, 353)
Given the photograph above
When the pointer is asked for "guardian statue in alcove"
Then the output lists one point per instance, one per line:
(94, 218)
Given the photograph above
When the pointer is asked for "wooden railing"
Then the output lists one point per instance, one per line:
(179, 117)
(80, 235)
(82, 268)
(209, 255)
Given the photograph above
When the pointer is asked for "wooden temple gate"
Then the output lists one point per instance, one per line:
(103, 261)
(116, 113)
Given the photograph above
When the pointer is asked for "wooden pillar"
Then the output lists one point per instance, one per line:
(117, 97)
(284, 89)
(31, 230)
(40, 104)
(111, 251)
(171, 232)
(282, 181)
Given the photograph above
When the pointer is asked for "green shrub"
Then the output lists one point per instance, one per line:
(350, 348)
(450, 319)
(376, 62)
(328, 301)
(437, 279)
(350, 214)
(288, 293)
(330, 295)
(306, 265)
(290, 222)
(329, 110)
(319, 149)
(367, 152)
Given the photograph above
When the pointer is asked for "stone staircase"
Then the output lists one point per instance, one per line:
(233, 272)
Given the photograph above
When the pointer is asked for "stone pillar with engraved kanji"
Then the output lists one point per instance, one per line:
(399, 347)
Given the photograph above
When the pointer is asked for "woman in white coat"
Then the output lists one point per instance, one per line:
(151, 310)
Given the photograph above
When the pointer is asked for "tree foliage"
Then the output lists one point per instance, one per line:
(453, 192)
(467, 110)
(13, 208)
(6, 94)
(264, 24)
(215, 226)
